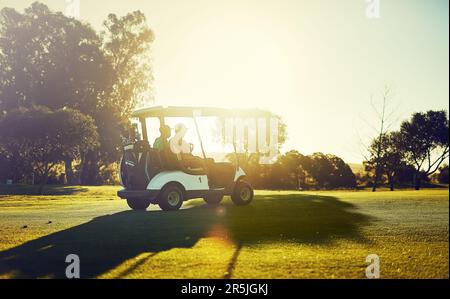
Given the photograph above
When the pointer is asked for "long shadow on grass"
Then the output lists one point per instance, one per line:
(105, 242)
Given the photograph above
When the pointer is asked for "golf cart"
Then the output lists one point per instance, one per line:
(154, 176)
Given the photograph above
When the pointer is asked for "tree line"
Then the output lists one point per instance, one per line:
(67, 91)
(319, 171)
(295, 171)
(412, 154)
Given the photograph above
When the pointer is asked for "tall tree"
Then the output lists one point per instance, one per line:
(126, 44)
(385, 121)
(52, 60)
(425, 141)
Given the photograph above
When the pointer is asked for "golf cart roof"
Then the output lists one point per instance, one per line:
(173, 111)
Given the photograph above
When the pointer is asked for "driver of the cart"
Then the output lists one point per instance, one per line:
(161, 143)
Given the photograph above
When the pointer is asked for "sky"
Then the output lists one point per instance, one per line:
(320, 64)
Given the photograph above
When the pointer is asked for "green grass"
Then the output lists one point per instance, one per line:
(281, 235)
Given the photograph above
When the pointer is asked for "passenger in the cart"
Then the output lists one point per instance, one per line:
(178, 145)
(183, 150)
(161, 143)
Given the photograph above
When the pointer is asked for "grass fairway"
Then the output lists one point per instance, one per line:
(281, 235)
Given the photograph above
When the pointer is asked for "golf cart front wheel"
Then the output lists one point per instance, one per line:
(242, 194)
(138, 204)
(171, 198)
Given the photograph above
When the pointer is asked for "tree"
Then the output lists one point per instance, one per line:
(387, 156)
(329, 171)
(425, 141)
(443, 177)
(405, 174)
(54, 61)
(42, 138)
(292, 174)
(51, 60)
(342, 175)
(385, 121)
(126, 44)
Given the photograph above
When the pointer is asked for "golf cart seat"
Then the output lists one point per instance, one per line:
(171, 162)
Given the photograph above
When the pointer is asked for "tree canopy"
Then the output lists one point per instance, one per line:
(42, 138)
(424, 139)
(48, 59)
(417, 150)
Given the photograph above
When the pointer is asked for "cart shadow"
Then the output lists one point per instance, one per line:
(107, 241)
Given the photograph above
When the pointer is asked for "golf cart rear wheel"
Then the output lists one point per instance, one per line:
(171, 198)
(213, 200)
(138, 204)
(242, 194)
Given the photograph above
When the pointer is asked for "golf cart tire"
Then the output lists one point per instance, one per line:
(213, 200)
(138, 204)
(167, 200)
(243, 194)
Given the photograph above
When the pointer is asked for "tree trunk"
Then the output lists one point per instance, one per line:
(89, 169)
(44, 181)
(391, 183)
(41, 186)
(69, 172)
(417, 181)
(375, 180)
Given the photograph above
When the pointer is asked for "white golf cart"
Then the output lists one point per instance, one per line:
(152, 176)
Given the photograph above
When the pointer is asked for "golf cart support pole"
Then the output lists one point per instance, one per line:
(144, 128)
(199, 137)
(235, 146)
